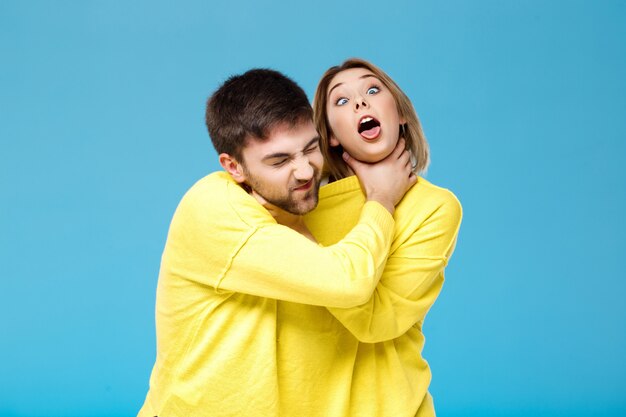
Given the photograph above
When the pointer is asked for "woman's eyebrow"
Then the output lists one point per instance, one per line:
(361, 77)
(335, 86)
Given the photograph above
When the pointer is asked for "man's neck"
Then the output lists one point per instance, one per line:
(293, 221)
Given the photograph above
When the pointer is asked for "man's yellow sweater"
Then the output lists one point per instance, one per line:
(225, 263)
(366, 361)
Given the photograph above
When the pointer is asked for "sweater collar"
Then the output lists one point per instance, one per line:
(341, 186)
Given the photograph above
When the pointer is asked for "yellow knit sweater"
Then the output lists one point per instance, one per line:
(366, 361)
(225, 263)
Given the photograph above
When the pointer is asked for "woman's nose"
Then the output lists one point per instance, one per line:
(360, 103)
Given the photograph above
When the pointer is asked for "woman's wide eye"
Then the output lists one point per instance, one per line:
(373, 90)
(341, 101)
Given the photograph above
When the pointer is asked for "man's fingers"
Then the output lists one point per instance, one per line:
(404, 156)
(352, 163)
(399, 148)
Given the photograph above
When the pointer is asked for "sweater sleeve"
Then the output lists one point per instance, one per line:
(276, 262)
(411, 280)
(238, 247)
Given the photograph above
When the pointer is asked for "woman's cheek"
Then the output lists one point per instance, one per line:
(343, 128)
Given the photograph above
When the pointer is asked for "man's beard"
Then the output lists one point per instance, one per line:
(287, 202)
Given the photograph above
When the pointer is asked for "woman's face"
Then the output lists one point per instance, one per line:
(363, 115)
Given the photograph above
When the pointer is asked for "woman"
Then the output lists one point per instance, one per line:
(366, 361)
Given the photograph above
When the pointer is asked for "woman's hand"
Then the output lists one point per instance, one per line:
(385, 181)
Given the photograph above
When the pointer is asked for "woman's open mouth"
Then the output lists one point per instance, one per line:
(369, 128)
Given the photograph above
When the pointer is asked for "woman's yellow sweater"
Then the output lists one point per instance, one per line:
(225, 264)
(366, 360)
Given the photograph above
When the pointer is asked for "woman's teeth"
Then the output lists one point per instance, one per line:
(369, 128)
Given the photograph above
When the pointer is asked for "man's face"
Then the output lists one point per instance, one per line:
(285, 169)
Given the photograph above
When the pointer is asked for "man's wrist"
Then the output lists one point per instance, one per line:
(383, 201)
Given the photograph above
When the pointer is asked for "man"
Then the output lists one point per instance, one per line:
(227, 260)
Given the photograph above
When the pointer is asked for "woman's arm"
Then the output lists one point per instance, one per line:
(411, 280)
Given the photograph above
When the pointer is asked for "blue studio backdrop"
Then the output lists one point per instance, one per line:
(102, 131)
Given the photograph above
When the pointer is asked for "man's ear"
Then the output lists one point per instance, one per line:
(233, 167)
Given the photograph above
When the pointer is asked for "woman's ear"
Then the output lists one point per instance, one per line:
(233, 167)
(333, 141)
(402, 118)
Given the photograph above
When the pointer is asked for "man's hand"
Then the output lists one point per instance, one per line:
(385, 181)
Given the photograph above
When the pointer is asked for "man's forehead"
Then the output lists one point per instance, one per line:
(291, 129)
(282, 138)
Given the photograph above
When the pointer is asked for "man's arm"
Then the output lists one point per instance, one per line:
(277, 262)
(221, 237)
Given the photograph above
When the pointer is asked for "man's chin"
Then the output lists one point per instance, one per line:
(303, 209)
(306, 205)
(308, 202)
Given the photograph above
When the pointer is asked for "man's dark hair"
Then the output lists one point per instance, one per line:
(249, 105)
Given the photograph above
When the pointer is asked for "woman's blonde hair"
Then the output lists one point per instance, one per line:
(412, 132)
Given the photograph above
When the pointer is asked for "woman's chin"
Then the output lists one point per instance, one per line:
(372, 158)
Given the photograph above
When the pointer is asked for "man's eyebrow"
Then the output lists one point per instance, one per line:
(288, 155)
(361, 77)
(276, 155)
(311, 142)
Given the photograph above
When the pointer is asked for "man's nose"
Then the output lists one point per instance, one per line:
(303, 171)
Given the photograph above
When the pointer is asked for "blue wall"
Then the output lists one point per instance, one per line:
(524, 105)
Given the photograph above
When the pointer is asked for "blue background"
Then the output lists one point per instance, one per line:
(524, 105)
